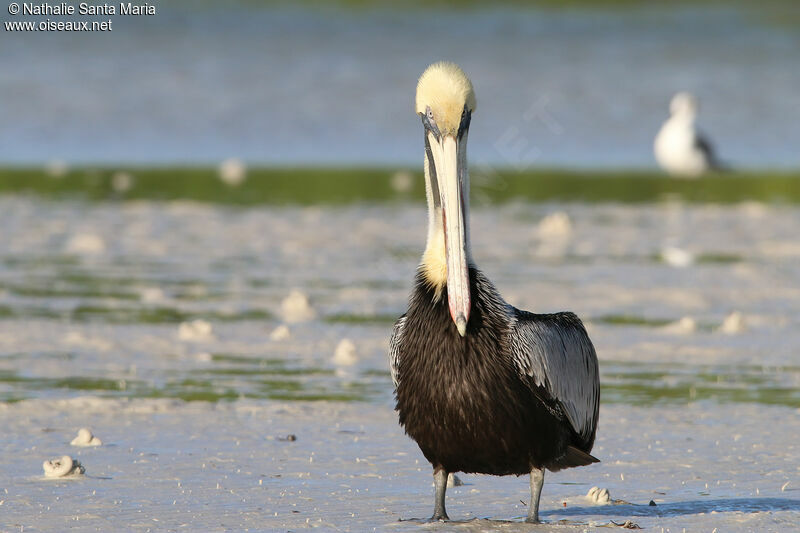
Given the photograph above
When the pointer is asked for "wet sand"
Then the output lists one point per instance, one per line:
(172, 466)
(169, 331)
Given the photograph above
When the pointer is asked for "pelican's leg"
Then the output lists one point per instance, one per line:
(537, 480)
(440, 481)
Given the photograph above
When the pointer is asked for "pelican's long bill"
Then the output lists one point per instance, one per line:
(448, 153)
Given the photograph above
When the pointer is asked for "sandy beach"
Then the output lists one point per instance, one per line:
(172, 332)
(173, 466)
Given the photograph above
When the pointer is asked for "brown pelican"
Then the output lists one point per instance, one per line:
(482, 387)
(679, 148)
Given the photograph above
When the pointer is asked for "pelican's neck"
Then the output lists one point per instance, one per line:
(434, 258)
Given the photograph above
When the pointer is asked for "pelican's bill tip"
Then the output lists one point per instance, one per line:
(461, 324)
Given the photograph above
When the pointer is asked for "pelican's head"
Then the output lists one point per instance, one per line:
(683, 104)
(445, 102)
(445, 96)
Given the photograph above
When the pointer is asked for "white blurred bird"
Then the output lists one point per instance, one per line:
(679, 148)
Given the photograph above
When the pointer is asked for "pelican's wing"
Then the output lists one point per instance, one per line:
(556, 352)
(394, 348)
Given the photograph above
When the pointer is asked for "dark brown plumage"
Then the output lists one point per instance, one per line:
(463, 400)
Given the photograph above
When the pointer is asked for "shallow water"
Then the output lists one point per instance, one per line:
(116, 288)
(199, 82)
(97, 302)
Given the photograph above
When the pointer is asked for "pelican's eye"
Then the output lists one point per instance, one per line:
(430, 123)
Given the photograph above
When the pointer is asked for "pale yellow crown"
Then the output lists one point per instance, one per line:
(445, 89)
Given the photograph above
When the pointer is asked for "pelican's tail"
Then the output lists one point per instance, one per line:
(572, 457)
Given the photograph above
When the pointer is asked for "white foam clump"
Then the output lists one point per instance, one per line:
(121, 182)
(195, 330)
(683, 326)
(345, 354)
(151, 295)
(677, 257)
(402, 181)
(297, 308)
(85, 243)
(281, 333)
(555, 226)
(754, 209)
(733, 323)
(63, 467)
(232, 172)
(598, 496)
(57, 168)
(77, 338)
(86, 438)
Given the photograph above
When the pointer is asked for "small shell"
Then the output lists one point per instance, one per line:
(555, 226)
(62, 467)
(195, 331)
(297, 308)
(85, 244)
(734, 323)
(345, 354)
(281, 333)
(677, 257)
(598, 496)
(684, 326)
(85, 438)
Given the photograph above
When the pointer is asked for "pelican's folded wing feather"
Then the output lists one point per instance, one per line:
(394, 349)
(556, 352)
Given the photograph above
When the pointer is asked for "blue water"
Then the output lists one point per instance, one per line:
(287, 85)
